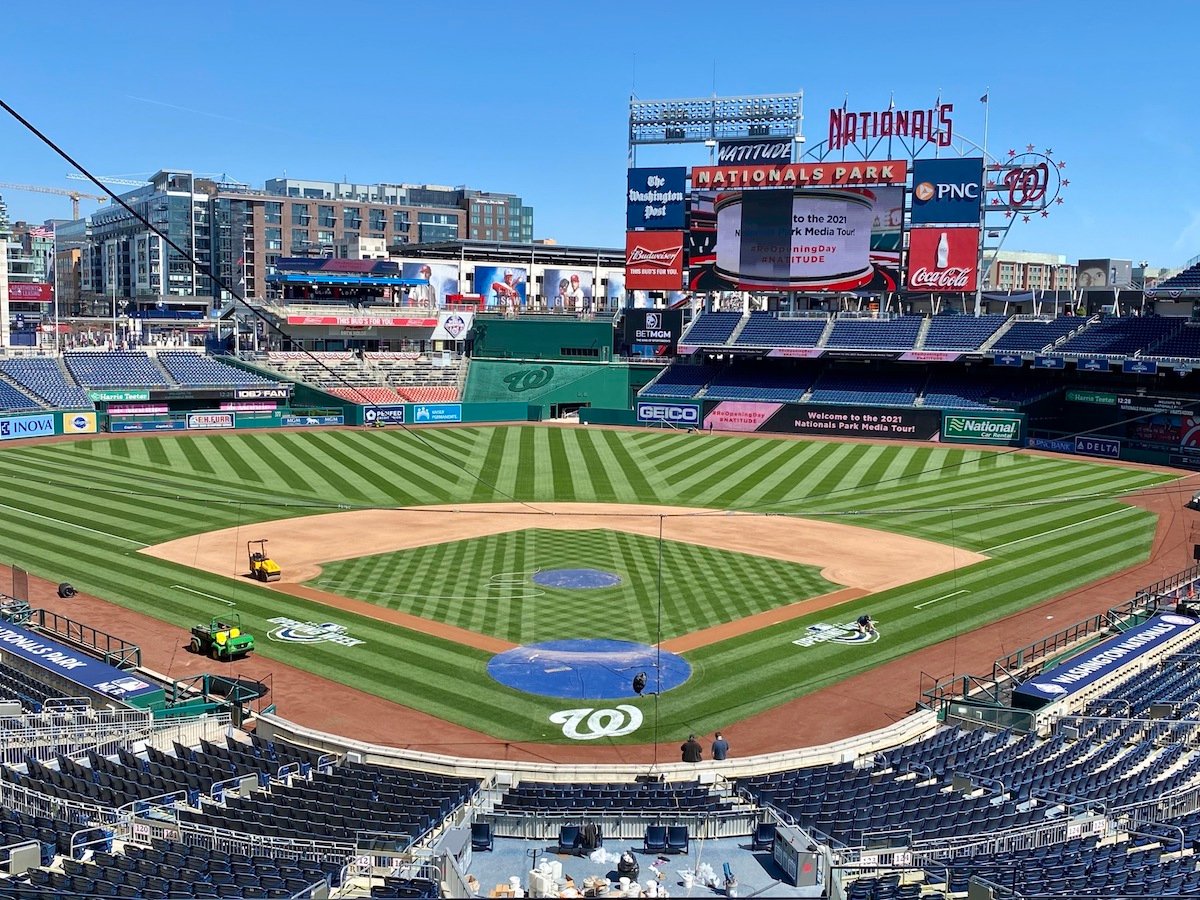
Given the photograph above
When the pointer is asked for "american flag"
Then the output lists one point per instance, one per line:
(41, 231)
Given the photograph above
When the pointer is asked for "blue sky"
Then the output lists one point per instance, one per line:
(533, 98)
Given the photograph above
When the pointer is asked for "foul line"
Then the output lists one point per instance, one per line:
(943, 597)
(115, 537)
(202, 594)
(1060, 528)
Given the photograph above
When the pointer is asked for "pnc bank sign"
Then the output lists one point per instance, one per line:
(947, 191)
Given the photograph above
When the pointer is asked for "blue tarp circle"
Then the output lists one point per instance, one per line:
(588, 669)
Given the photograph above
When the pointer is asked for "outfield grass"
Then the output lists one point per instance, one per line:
(79, 511)
(484, 584)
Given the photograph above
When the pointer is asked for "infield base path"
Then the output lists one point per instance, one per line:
(864, 560)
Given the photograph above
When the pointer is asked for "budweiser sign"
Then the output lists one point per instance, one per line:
(664, 257)
(943, 260)
(654, 260)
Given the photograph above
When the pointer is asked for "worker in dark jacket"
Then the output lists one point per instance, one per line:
(692, 751)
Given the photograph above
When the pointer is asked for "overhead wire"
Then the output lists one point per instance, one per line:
(211, 272)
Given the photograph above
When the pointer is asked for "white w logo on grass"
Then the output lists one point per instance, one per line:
(625, 719)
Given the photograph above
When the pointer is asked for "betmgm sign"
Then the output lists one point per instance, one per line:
(680, 415)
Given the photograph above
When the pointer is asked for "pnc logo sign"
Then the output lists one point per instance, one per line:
(947, 191)
(674, 413)
(927, 190)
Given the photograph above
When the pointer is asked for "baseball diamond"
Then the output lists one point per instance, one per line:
(996, 532)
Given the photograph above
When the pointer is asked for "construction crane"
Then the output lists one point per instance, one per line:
(133, 182)
(75, 196)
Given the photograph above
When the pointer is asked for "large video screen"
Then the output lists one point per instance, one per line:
(796, 239)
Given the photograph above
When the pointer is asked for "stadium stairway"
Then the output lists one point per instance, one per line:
(921, 334)
(999, 333)
(738, 329)
(823, 340)
(11, 394)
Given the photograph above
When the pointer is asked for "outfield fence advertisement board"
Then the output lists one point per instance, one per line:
(429, 413)
(681, 414)
(383, 415)
(839, 421)
(983, 428)
(17, 427)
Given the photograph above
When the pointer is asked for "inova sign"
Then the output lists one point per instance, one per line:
(983, 429)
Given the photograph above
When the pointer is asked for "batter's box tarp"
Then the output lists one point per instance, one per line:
(588, 669)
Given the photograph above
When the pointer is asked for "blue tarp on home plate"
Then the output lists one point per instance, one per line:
(1103, 659)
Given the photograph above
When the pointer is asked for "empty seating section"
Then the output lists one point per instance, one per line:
(533, 797)
(961, 332)
(744, 383)
(394, 887)
(1028, 336)
(1021, 776)
(1122, 337)
(366, 394)
(12, 399)
(884, 390)
(1183, 343)
(1187, 280)
(195, 369)
(45, 379)
(54, 835)
(711, 329)
(1084, 867)
(114, 369)
(398, 805)
(765, 330)
(429, 394)
(173, 869)
(876, 334)
(680, 380)
(946, 390)
(16, 685)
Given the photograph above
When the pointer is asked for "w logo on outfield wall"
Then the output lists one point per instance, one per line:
(528, 379)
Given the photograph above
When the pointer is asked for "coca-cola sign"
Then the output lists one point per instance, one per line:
(943, 260)
(654, 260)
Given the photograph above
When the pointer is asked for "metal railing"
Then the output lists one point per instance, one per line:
(71, 732)
(625, 826)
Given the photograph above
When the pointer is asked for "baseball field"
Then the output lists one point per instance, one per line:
(750, 558)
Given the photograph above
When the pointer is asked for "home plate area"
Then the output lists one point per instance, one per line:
(588, 669)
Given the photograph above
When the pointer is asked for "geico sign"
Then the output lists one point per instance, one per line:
(929, 191)
(665, 412)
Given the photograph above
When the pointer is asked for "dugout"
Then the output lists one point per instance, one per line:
(69, 671)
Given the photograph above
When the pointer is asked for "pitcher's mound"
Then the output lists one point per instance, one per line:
(576, 579)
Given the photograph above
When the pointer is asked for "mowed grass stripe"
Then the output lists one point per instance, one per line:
(488, 474)
(562, 464)
(599, 484)
(730, 679)
(699, 584)
(632, 470)
(757, 477)
(405, 479)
